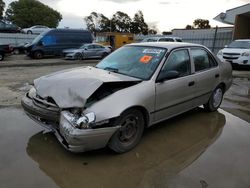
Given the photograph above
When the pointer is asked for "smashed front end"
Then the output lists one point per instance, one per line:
(76, 131)
(63, 109)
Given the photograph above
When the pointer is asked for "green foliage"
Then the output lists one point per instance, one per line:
(97, 22)
(167, 33)
(201, 24)
(26, 13)
(138, 25)
(2, 5)
(121, 22)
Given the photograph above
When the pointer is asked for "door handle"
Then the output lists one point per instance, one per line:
(191, 83)
(217, 75)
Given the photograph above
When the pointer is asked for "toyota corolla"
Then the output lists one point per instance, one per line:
(133, 88)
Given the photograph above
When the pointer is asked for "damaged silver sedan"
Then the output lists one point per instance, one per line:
(135, 87)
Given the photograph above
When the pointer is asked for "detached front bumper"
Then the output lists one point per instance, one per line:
(72, 138)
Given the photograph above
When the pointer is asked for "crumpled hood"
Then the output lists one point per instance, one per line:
(71, 88)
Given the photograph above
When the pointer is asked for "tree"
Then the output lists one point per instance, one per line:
(189, 27)
(138, 25)
(152, 31)
(26, 13)
(201, 24)
(97, 22)
(167, 33)
(120, 22)
(2, 5)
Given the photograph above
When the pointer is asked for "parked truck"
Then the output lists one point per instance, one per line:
(114, 39)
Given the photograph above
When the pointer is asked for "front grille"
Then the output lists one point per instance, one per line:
(231, 56)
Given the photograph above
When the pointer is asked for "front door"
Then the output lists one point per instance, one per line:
(174, 96)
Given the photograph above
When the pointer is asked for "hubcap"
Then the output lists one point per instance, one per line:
(129, 129)
(217, 97)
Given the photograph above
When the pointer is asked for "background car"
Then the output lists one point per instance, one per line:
(162, 39)
(53, 41)
(237, 52)
(36, 29)
(5, 49)
(87, 51)
(8, 27)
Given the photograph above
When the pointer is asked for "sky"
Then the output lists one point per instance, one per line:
(164, 14)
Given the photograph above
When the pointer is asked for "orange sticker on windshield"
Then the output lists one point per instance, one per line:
(146, 59)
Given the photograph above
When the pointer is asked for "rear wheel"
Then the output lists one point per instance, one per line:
(130, 133)
(29, 32)
(215, 99)
(78, 56)
(104, 54)
(1, 56)
(38, 55)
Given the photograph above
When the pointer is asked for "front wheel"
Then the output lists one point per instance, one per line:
(78, 56)
(38, 55)
(130, 133)
(1, 56)
(215, 100)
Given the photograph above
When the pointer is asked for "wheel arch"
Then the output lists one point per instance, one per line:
(144, 111)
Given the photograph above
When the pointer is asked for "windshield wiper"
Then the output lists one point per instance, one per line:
(111, 69)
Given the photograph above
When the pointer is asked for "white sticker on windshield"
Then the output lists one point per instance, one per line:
(152, 51)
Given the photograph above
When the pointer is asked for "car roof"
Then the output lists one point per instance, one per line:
(168, 45)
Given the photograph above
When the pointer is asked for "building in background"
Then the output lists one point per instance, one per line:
(239, 17)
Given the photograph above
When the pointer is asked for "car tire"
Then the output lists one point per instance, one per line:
(215, 99)
(104, 55)
(1, 56)
(29, 32)
(129, 134)
(16, 51)
(78, 56)
(38, 54)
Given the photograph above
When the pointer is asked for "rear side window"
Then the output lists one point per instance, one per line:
(202, 60)
(166, 40)
(178, 61)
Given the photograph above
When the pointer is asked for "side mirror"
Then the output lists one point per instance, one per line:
(167, 75)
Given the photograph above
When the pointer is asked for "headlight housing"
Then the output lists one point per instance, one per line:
(246, 54)
(219, 53)
(81, 122)
(32, 92)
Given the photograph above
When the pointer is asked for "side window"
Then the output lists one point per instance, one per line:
(178, 61)
(201, 58)
(166, 40)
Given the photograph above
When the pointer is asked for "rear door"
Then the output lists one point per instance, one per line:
(206, 74)
(175, 96)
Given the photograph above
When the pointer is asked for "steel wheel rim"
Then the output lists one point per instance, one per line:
(129, 129)
(217, 97)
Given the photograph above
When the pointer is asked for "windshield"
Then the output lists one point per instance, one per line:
(37, 39)
(240, 44)
(136, 61)
(83, 46)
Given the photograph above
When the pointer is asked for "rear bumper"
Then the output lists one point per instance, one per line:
(72, 138)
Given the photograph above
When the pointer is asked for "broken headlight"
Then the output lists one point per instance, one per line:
(32, 92)
(83, 121)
